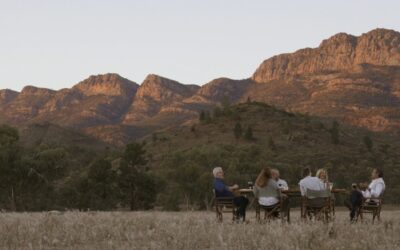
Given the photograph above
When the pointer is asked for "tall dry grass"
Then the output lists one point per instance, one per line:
(189, 230)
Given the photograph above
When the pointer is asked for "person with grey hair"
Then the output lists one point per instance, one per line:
(224, 191)
(282, 184)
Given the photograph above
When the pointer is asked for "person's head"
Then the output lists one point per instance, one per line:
(322, 174)
(306, 172)
(263, 177)
(377, 173)
(275, 174)
(218, 173)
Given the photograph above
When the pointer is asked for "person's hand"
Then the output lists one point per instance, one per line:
(236, 186)
(363, 186)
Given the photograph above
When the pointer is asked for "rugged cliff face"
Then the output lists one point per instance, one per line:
(108, 85)
(341, 52)
(7, 95)
(355, 80)
(156, 94)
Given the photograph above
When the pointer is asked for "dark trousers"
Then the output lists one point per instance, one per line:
(354, 203)
(241, 203)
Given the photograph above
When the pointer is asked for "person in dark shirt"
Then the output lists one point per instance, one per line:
(222, 190)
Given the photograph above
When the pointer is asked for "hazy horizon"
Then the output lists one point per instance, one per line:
(56, 44)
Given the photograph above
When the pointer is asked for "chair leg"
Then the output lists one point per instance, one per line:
(373, 217)
(379, 215)
(219, 213)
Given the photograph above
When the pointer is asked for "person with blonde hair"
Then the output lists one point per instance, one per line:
(322, 175)
(266, 190)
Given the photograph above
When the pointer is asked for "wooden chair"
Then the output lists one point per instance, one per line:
(317, 204)
(372, 206)
(224, 205)
(271, 212)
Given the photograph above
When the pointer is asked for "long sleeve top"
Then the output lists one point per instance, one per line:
(312, 183)
(221, 190)
(282, 184)
(376, 189)
(268, 195)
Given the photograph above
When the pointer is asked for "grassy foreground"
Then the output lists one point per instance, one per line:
(189, 230)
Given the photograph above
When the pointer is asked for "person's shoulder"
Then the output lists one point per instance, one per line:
(282, 181)
(217, 181)
(302, 180)
(273, 183)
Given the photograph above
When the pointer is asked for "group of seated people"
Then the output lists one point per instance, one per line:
(268, 186)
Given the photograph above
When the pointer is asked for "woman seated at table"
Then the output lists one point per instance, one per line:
(322, 175)
(224, 191)
(266, 190)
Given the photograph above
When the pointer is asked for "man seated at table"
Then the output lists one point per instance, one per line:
(377, 186)
(374, 190)
(224, 191)
(282, 184)
(309, 182)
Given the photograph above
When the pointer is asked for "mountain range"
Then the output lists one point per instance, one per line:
(353, 79)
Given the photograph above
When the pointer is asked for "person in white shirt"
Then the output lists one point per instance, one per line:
(282, 184)
(376, 187)
(374, 190)
(309, 182)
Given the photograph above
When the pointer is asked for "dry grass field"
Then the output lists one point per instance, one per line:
(189, 230)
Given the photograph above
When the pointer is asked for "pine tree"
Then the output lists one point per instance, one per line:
(202, 116)
(207, 117)
(249, 134)
(368, 143)
(335, 132)
(238, 130)
(217, 112)
(271, 143)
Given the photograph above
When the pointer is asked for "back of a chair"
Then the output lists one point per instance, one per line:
(313, 194)
(317, 198)
(224, 201)
(270, 192)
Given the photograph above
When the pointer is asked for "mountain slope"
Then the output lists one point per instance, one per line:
(355, 80)
(280, 140)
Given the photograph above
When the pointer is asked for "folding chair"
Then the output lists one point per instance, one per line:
(372, 206)
(317, 204)
(224, 205)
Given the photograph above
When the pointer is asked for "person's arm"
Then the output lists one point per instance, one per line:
(219, 186)
(302, 191)
(366, 194)
(285, 186)
(233, 187)
(377, 191)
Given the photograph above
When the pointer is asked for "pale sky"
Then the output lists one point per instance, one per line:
(57, 43)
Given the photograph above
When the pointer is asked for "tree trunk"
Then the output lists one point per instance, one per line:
(13, 206)
(132, 200)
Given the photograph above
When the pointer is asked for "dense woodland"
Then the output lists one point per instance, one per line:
(171, 169)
